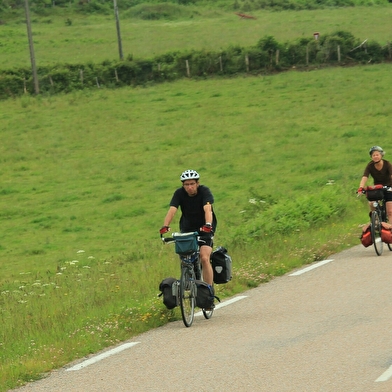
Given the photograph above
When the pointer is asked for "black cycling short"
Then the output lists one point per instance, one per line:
(388, 194)
(206, 239)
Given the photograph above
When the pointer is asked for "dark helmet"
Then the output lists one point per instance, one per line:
(376, 148)
(189, 175)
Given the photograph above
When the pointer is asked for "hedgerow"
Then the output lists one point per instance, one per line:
(266, 56)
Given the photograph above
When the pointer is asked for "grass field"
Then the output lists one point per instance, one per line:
(86, 179)
(94, 38)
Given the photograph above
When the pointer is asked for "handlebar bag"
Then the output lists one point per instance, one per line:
(186, 244)
(366, 238)
(169, 291)
(221, 265)
(375, 193)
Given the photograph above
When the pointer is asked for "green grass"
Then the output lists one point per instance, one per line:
(87, 177)
(94, 38)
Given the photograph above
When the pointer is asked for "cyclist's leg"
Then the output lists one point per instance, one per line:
(371, 208)
(388, 206)
(206, 243)
(205, 255)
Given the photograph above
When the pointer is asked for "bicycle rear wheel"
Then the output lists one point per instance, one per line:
(208, 313)
(376, 233)
(187, 295)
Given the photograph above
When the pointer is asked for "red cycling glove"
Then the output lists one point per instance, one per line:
(164, 229)
(207, 228)
(360, 190)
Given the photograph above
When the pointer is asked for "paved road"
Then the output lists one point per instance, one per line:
(327, 329)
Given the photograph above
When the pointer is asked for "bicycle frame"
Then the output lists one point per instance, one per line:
(377, 216)
(190, 270)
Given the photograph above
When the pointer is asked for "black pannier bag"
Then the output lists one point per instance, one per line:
(375, 193)
(221, 265)
(169, 291)
(205, 295)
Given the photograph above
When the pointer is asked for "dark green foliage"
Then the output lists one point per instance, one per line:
(267, 55)
(152, 9)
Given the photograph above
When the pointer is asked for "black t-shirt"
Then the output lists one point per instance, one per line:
(380, 177)
(192, 208)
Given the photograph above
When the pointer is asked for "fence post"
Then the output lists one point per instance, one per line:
(307, 54)
(247, 62)
(51, 80)
(96, 79)
(277, 57)
(81, 75)
(221, 65)
(339, 53)
(115, 73)
(188, 71)
(24, 86)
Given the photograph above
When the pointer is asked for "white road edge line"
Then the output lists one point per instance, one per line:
(102, 356)
(125, 346)
(222, 304)
(307, 269)
(386, 375)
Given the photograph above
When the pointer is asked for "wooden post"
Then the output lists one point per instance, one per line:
(220, 63)
(115, 74)
(339, 53)
(307, 54)
(96, 79)
(159, 67)
(51, 80)
(277, 57)
(31, 46)
(24, 86)
(247, 62)
(188, 72)
(116, 15)
(81, 75)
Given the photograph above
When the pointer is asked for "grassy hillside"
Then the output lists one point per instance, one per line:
(68, 37)
(87, 177)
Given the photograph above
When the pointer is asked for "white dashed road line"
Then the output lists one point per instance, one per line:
(386, 375)
(125, 346)
(101, 356)
(313, 266)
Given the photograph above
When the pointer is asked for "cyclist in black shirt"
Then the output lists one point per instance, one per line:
(197, 214)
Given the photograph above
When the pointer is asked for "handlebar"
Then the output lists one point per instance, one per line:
(172, 239)
(373, 188)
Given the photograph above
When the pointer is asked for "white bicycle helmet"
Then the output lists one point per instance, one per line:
(189, 175)
(376, 148)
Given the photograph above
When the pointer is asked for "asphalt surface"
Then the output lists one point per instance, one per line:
(322, 329)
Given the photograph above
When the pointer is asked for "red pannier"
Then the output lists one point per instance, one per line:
(366, 237)
(386, 233)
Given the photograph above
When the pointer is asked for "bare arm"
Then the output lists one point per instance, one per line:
(208, 213)
(169, 216)
(363, 182)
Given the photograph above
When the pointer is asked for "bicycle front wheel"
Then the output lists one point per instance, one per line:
(187, 295)
(376, 233)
